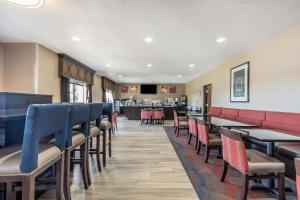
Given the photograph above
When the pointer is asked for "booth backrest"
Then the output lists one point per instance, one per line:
(214, 111)
(254, 117)
(229, 113)
(282, 121)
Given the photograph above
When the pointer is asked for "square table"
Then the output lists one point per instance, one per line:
(220, 122)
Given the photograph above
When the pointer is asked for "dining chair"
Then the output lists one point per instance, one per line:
(106, 127)
(146, 115)
(157, 115)
(297, 167)
(180, 124)
(77, 140)
(253, 165)
(207, 138)
(94, 129)
(114, 122)
(24, 163)
(193, 131)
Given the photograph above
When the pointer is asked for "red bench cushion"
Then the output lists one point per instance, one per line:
(254, 117)
(229, 113)
(287, 122)
(214, 111)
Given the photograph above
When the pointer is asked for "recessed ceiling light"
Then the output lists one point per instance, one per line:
(173, 81)
(77, 39)
(192, 65)
(107, 65)
(26, 3)
(149, 65)
(179, 76)
(120, 75)
(221, 40)
(148, 39)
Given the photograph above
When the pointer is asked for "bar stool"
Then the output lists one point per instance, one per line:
(209, 139)
(106, 127)
(146, 114)
(80, 114)
(24, 163)
(251, 163)
(95, 115)
(179, 124)
(157, 115)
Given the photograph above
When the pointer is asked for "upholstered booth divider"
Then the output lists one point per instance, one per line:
(214, 111)
(254, 117)
(229, 113)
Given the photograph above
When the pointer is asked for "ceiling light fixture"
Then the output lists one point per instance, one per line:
(149, 65)
(107, 65)
(120, 75)
(148, 39)
(77, 39)
(173, 81)
(192, 65)
(26, 3)
(221, 40)
(179, 76)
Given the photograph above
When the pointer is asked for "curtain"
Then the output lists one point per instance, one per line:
(103, 95)
(89, 93)
(65, 90)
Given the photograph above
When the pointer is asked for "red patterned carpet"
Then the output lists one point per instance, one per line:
(206, 177)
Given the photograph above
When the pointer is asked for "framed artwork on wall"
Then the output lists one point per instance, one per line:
(172, 89)
(239, 83)
(163, 89)
(124, 88)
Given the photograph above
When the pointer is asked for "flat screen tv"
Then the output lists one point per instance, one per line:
(148, 89)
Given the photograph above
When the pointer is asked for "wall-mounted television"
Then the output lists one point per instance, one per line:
(148, 89)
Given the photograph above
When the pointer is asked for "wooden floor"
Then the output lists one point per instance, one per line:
(144, 166)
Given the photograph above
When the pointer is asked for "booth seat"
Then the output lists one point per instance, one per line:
(214, 111)
(255, 117)
(229, 113)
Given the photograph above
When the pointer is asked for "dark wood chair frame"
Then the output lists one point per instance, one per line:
(95, 150)
(106, 142)
(280, 176)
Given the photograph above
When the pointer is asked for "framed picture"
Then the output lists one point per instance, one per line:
(163, 89)
(239, 83)
(172, 89)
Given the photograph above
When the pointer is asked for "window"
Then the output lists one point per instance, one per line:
(78, 92)
(109, 96)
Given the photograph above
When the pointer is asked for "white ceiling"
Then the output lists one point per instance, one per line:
(184, 32)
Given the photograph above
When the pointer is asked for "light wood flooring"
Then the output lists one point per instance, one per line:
(143, 166)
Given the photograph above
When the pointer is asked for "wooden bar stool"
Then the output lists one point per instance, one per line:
(24, 163)
(146, 115)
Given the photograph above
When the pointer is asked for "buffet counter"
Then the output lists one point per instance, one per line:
(134, 112)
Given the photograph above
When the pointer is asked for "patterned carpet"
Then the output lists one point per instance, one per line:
(206, 177)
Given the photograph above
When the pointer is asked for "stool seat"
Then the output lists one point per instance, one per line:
(77, 138)
(10, 158)
(260, 163)
(94, 130)
(105, 125)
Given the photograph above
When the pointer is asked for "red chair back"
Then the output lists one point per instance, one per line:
(114, 118)
(202, 132)
(234, 151)
(176, 118)
(297, 166)
(157, 114)
(146, 114)
(193, 126)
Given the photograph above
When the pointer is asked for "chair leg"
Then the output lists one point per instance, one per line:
(9, 191)
(245, 187)
(67, 185)
(60, 178)
(281, 185)
(109, 144)
(98, 152)
(84, 165)
(196, 143)
(199, 147)
(224, 172)
(175, 130)
(141, 122)
(190, 138)
(206, 153)
(104, 148)
(88, 163)
(178, 129)
(28, 187)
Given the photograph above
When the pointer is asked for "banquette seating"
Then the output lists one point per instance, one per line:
(278, 121)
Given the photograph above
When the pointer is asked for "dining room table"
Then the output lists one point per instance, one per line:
(226, 123)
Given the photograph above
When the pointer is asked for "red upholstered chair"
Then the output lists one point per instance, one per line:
(114, 121)
(146, 114)
(179, 124)
(210, 140)
(251, 163)
(214, 111)
(157, 115)
(229, 113)
(254, 117)
(193, 130)
(297, 166)
(282, 121)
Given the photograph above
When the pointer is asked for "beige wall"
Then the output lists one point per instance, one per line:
(48, 80)
(97, 89)
(180, 90)
(1, 66)
(274, 76)
(19, 62)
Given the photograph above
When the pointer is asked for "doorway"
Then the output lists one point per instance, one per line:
(207, 90)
